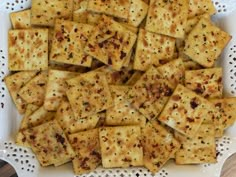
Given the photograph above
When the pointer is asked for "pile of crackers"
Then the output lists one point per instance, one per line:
(118, 83)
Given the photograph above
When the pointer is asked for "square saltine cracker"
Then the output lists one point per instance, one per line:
(56, 88)
(28, 49)
(71, 124)
(199, 149)
(68, 43)
(167, 17)
(21, 19)
(33, 92)
(152, 49)
(110, 42)
(87, 149)
(89, 94)
(150, 93)
(14, 83)
(49, 143)
(185, 111)
(116, 8)
(159, 146)
(44, 13)
(205, 43)
(205, 82)
(121, 146)
(122, 113)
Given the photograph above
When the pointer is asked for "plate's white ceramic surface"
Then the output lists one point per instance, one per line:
(24, 160)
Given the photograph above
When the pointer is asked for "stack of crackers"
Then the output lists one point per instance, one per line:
(118, 83)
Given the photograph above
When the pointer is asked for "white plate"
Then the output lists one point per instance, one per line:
(24, 160)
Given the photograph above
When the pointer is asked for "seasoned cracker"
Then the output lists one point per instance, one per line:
(137, 12)
(49, 143)
(21, 19)
(185, 111)
(87, 149)
(39, 116)
(14, 83)
(116, 77)
(80, 12)
(216, 118)
(20, 138)
(192, 22)
(28, 49)
(152, 49)
(69, 41)
(44, 13)
(89, 94)
(205, 43)
(34, 91)
(116, 8)
(205, 82)
(167, 17)
(122, 113)
(158, 146)
(201, 7)
(199, 149)
(150, 93)
(30, 109)
(227, 107)
(71, 124)
(110, 43)
(173, 71)
(56, 88)
(121, 146)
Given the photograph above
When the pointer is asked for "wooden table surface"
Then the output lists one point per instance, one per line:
(229, 168)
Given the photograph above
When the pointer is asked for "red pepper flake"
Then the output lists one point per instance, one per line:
(59, 36)
(122, 55)
(60, 139)
(71, 55)
(175, 106)
(108, 32)
(167, 91)
(91, 47)
(95, 153)
(109, 61)
(75, 139)
(176, 97)
(84, 164)
(104, 139)
(100, 45)
(218, 105)
(193, 103)
(190, 119)
(32, 137)
(199, 90)
(41, 85)
(126, 159)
